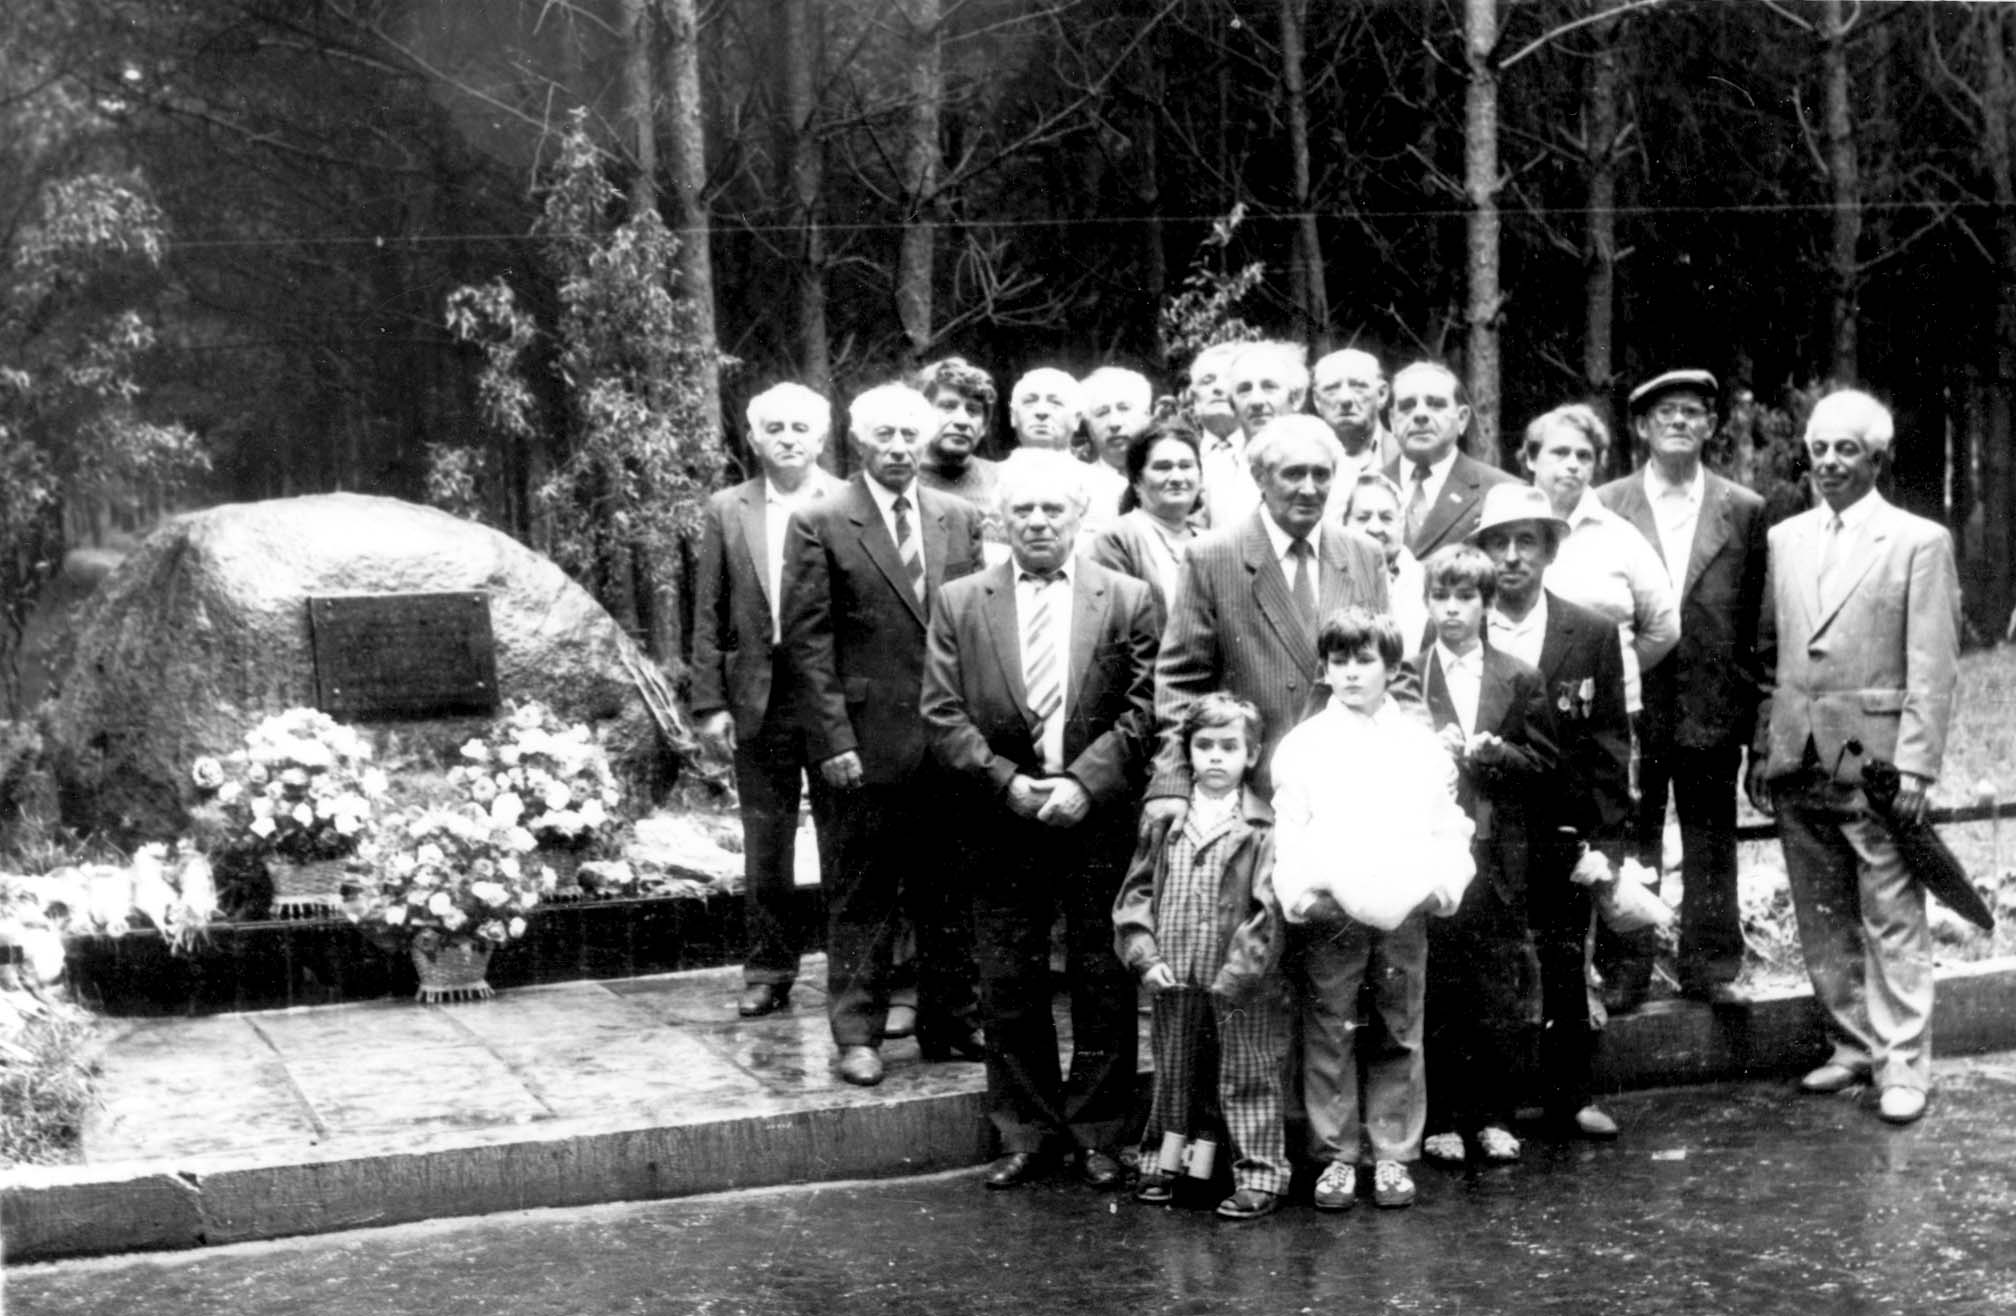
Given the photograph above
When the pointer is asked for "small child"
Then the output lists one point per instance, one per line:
(1196, 919)
(1368, 840)
(1483, 973)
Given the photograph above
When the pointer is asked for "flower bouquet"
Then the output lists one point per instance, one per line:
(302, 796)
(454, 885)
(551, 778)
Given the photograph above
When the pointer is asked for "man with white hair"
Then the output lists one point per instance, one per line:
(1119, 403)
(1263, 379)
(742, 694)
(1039, 695)
(864, 567)
(1860, 641)
(1207, 396)
(1348, 389)
(1045, 408)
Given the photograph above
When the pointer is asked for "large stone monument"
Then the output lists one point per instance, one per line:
(206, 628)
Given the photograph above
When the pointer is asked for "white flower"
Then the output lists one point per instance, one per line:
(256, 774)
(304, 815)
(439, 904)
(207, 773)
(262, 827)
(476, 750)
(374, 783)
(517, 927)
(395, 915)
(483, 790)
(508, 755)
(429, 853)
(557, 796)
(490, 893)
(262, 807)
(593, 814)
(453, 920)
(507, 809)
(230, 793)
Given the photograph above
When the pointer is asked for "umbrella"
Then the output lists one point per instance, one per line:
(1924, 853)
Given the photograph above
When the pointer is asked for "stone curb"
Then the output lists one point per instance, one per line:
(53, 1212)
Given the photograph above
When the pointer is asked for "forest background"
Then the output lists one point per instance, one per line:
(529, 258)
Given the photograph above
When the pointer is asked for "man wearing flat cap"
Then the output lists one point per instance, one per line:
(1700, 704)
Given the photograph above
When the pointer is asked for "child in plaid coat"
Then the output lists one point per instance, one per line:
(1197, 920)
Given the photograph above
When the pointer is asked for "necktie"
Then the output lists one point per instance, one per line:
(1417, 505)
(1830, 556)
(906, 545)
(1041, 671)
(1305, 581)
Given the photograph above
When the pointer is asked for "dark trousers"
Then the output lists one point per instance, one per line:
(1025, 875)
(1560, 913)
(1703, 784)
(888, 862)
(1483, 1004)
(770, 762)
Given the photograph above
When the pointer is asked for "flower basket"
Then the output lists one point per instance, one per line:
(308, 890)
(457, 970)
(565, 861)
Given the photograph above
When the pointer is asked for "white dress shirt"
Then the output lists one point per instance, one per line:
(1061, 608)
(777, 509)
(1282, 541)
(1522, 639)
(886, 500)
(1676, 510)
(1229, 491)
(1463, 674)
(1608, 567)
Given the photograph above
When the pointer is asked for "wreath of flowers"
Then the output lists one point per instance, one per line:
(547, 776)
(303, 788)
(448, 873)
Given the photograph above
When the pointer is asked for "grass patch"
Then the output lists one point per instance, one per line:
(46, 1079)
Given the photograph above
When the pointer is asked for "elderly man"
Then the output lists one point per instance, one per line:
(1262, 380)
(1699, 706)
(742, 692)
(1579, 829)
(1442, 487)
(1119, 403)
(1039, 694)
(1252, 595)
(1207, 396)
(1348, 390)
(1861, 636)
(862, 571)
(962, 395)
(1045, 407)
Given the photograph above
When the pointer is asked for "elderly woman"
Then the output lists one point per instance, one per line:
(1604, 564)
(1372, 505)
(1153, 533)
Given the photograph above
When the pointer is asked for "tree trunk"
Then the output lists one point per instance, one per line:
(801, 97)
(637, 105)
(1998, 474)
(1843, 173)
(1312, 295)
(916, 252)
(1601, 129)
(1148, 190)
(1480, 187)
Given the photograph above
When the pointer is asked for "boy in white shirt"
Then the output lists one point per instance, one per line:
(1369, 839)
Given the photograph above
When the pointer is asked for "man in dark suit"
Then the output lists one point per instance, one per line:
(863, 568)
(1861, 638)
(1245, 617)
(1441, 486)
(1039, 693)
(1700, 704)
(1579, 829)
(742, 696)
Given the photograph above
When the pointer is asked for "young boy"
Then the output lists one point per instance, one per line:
(1368, 839)
(1483, 973)
(1196, 919)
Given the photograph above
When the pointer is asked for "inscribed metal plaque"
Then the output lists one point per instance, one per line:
(403, 655)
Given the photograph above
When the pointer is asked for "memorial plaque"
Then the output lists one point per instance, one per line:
(403, 655)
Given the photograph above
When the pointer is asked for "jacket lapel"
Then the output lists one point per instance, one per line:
(1004, 634)
(1089, 603)
(1494, 694)
(931, 525)
(1860, 559)
(1458, 492)
(881, 549)
(755, 537)
(1435, 690)
(1270, 591)
(1711, 531)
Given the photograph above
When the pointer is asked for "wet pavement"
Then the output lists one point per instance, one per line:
(1732, 1198)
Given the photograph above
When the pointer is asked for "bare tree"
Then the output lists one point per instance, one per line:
(686, 131)
(808, 165)
(1484, 302)
(1312, 296)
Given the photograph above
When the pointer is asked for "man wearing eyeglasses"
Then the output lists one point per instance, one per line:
(1700, 704)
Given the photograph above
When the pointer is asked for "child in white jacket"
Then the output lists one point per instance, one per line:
(1369, 840)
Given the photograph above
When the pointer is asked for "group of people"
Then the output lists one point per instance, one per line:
(1325, 734)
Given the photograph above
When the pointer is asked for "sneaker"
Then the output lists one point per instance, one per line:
(1156, 1188)
(1497, 1144)
(1337, 1190)
(1392, 1185)
(1445, 1147)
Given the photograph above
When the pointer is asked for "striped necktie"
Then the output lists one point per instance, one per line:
(1041, 671)
(1305, 582)
(908, 547)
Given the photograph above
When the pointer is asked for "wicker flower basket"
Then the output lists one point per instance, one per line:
(312, 890)
(455, 972)
(566, 865)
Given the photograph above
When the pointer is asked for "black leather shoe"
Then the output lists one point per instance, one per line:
(1012, 1170)
(954, 1046)
(761, 998)
(1098, 1169)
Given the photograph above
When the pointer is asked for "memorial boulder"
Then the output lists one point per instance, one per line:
(206, 628)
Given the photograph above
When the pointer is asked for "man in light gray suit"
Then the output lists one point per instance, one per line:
(1861, 628)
